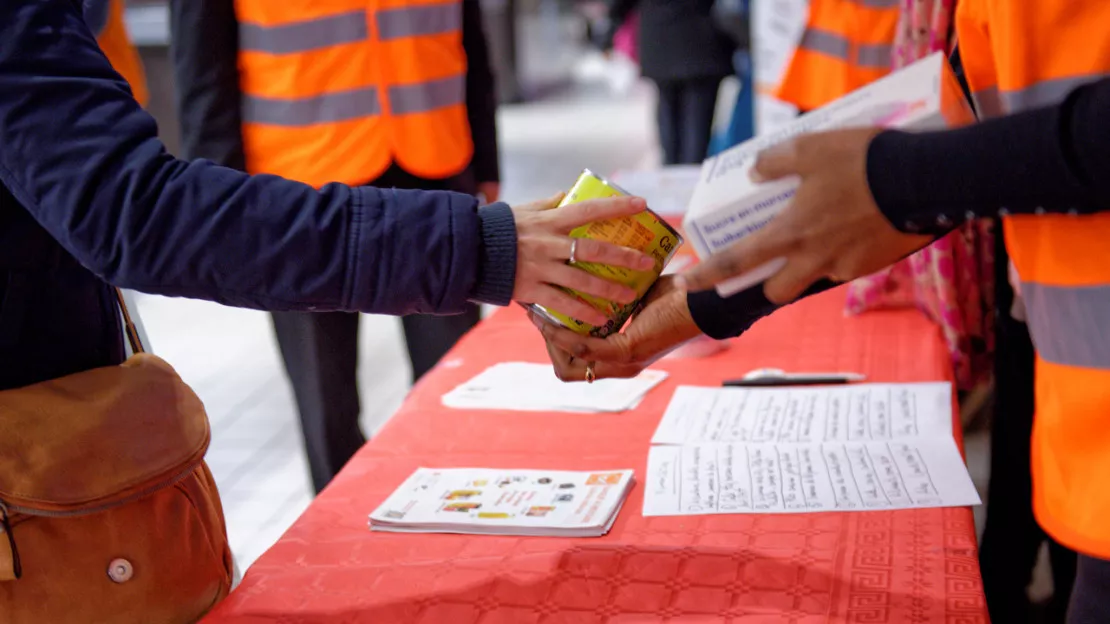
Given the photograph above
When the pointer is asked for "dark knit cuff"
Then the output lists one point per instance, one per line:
(497, 257)
(719, 317)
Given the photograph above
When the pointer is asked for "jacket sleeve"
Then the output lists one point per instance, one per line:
(1048, 160)
(82, 157)
(96, 15)
(204, 44)
(481, 94)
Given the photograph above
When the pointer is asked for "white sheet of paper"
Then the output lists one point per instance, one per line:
(704, 479)
(813, 414)
(522, 386)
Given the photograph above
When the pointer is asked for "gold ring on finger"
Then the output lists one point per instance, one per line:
(590, 375)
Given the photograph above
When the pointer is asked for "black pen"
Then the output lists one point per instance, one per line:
(769, 377)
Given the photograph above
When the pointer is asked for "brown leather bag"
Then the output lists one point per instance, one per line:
(107, 509)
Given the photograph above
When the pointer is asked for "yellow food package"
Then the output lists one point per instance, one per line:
(644, 231)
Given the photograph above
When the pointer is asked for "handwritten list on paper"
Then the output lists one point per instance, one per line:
(793, 450)
(770, 478)
(849, 413)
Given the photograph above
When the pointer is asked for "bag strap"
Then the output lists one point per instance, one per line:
(129, 326)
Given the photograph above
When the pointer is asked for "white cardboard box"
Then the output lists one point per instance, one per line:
(727, 205)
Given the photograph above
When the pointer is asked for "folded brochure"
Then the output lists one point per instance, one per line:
(487, 501)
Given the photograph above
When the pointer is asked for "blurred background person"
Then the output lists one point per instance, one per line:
(687, 56)
(401, 97)
(845, 45)
(733, 17)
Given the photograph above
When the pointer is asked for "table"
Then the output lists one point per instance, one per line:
(890, 566)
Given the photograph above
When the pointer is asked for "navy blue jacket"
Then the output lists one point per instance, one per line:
(90, 197)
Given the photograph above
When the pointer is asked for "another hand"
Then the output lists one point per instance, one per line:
(543, 248)
(663, 325)
(490, 191)
(832, 228)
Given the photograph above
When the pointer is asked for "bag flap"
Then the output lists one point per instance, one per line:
(98, 436)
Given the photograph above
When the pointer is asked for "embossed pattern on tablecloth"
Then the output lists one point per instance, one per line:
(869, 567)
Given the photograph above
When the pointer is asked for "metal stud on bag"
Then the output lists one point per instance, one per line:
(120, 570)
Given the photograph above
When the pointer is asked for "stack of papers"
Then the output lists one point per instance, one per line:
(806, 449)
(534, 388)
(485, 501)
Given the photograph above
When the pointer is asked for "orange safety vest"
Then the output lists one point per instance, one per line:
(846, 44)
(337, 91)
(1021, 55)
(105, 18)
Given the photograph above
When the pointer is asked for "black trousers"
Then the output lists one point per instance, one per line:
(1090, 601)
(686, 110)
(1012, 538)
(320, 351)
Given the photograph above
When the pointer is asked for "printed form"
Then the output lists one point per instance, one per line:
(806, 449)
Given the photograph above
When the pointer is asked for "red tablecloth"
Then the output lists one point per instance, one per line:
(902, 566)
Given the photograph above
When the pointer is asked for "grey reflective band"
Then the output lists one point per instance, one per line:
(876, 56)
(330, 107)
(1043, 93)
(427, 96)
(988, 103)
(305, 36)
(1070, 325)
(431, 19)
(878, 4)
(825, 42)
(346, 105)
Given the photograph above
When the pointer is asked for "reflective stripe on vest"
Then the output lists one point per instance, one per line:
(306, 111)
(993, 102)
(351, 27)
(1072, 323)
(348, 105)
(1063, 261)
(876, 56)
(338, 94)
(313, 34)
(846, 45)
(418, 20)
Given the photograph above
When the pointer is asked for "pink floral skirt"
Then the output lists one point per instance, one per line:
(952, 280)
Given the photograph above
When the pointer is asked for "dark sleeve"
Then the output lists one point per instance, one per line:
(1048, 160)
(481, 94)
(96, 15)
(84, 160)
(204, 43)
(720, 318)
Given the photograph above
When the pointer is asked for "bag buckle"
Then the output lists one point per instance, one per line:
(6, 525)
